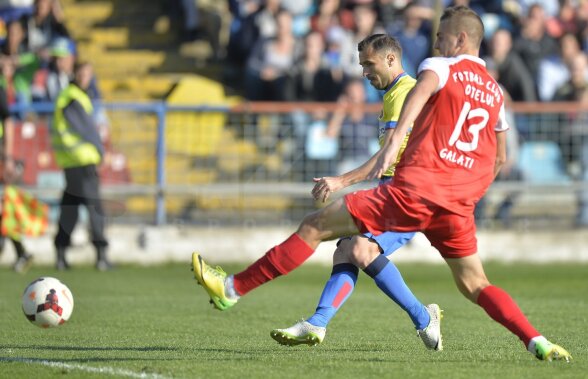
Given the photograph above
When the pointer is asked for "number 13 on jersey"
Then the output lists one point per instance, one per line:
(468, 113)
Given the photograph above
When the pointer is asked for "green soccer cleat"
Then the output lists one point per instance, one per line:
(213, 281)
(302, 333)
(547, 351)
(431, 335)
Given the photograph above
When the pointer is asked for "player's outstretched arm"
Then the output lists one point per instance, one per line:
(327, 185)
(416, 99)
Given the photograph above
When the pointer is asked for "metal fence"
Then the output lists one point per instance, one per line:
(254, 163)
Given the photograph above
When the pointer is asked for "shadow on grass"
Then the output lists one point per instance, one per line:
(210, 350)
(89, 348)
(82, 360)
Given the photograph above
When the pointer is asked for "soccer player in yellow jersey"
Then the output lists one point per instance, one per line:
(392, 104)
(380, 56)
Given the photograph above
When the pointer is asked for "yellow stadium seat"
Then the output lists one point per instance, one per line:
(91, 12)
(195, 133)
(244, 203)
(110, 37)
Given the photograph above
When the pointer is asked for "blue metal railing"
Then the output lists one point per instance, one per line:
(160, 109)
(164, 185)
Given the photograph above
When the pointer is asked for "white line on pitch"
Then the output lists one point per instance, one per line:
(96, 370)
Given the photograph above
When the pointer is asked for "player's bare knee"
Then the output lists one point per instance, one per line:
(309, 228)
(344, 251)
(472, 287)
(468, 274)
(362, 251)
(340, 255)
(476, 292)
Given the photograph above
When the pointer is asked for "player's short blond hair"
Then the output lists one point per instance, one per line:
(462, 19)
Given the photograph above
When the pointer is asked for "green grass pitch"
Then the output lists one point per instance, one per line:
(155, 322)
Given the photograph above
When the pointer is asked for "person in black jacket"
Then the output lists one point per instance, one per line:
(512, 72)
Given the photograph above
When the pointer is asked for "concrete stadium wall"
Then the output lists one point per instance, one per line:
(148, 245)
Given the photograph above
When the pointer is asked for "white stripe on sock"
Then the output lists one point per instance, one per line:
(534, 341)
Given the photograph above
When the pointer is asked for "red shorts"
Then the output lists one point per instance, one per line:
(388, 208)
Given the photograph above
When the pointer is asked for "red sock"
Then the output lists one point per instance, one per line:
(279, 260)
(503, 309)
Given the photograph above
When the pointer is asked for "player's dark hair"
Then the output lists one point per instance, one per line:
(464, 19)
(381, 42)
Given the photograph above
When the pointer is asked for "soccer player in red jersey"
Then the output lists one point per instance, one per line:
(380, 56)
(457, 147)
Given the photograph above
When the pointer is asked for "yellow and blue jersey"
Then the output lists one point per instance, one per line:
(392, 102)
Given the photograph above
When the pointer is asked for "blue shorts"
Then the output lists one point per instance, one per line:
(388, 242)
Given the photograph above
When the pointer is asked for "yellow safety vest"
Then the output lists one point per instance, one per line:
(70, 149)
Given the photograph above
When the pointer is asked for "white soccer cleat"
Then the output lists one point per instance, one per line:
(431, 335)
(301, 333)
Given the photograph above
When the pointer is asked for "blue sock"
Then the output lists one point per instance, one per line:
(389, 280)
(338, 288)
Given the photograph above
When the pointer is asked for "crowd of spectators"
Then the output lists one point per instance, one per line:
(305, 50)
(37, 52)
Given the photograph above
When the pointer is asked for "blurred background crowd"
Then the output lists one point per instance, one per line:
(303, 50)
(306, 50)
(291, 51)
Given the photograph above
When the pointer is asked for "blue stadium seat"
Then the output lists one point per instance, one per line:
(541, 162)
(318, 144)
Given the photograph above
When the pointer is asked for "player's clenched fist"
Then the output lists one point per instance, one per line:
(324, 186)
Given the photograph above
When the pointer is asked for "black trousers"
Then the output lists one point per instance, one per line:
(82, 188)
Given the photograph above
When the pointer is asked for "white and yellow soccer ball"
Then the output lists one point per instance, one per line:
(47, 302)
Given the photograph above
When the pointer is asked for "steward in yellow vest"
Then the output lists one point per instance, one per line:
(79, 150)
(74, 135)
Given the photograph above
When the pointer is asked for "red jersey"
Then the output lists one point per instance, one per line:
(451, 154)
